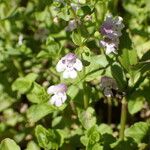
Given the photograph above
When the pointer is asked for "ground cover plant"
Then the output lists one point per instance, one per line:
(74, 74)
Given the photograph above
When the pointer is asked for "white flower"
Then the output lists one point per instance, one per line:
(110, 45)
(59, 94)
(69, 65)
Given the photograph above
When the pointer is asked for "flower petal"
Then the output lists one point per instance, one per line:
(109, 49)
(78, 65)
(63, 97)
(51, 89)
(60, 66)
(56, 100)
(53, 99)
(70, 74)
(73, 74)
(66, 74)
(58, 103)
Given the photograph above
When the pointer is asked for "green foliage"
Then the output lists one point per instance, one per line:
(8, 144)
(23, 84)
(32, 146)
(91, 137)
(48, 139)
(87, 118)
(33, 113)
(139, 132)
(135, 104)
(35, 35)
(37, 94)
(77, 39)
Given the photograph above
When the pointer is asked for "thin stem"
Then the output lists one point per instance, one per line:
(73, 107)
(109, 110)
(85, 97)
(123, 117)
(116, 5)
(85, 102)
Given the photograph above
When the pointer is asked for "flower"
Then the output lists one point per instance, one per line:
(69, 65)
(108, 85)
(110, 45)
(111, 27)
(59, 94)
(111, 30)
(71, 25)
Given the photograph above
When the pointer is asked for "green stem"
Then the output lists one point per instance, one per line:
(116, 5)
(85, 97)
(109, 110)
(123, 117)
(73, 107)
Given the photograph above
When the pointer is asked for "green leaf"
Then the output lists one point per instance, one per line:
(77, 39)
(93, 135)
(139, 132)
(48, 139)
(43, 54)
(31, 77)
(53, 49)
(107, 140)
(135, 104)
(95, 69)
(32, 146)
(11, 117)
(72, 91)
(5, 101)
(104, 128)
(37, 112)
(43, 137)
(56, 121)
(84, 140)
(87, 117)
(64, 13)
(37, 94)
(23, 84)
(118, 74)
(128, 55)
(127, 144)
(99, 60)
(96, 146)
(93, 75)
(9, 144)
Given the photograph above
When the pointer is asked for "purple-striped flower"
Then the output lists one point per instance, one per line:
(111, 27)
(111, 30)
(69, 65)
(59, 94)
